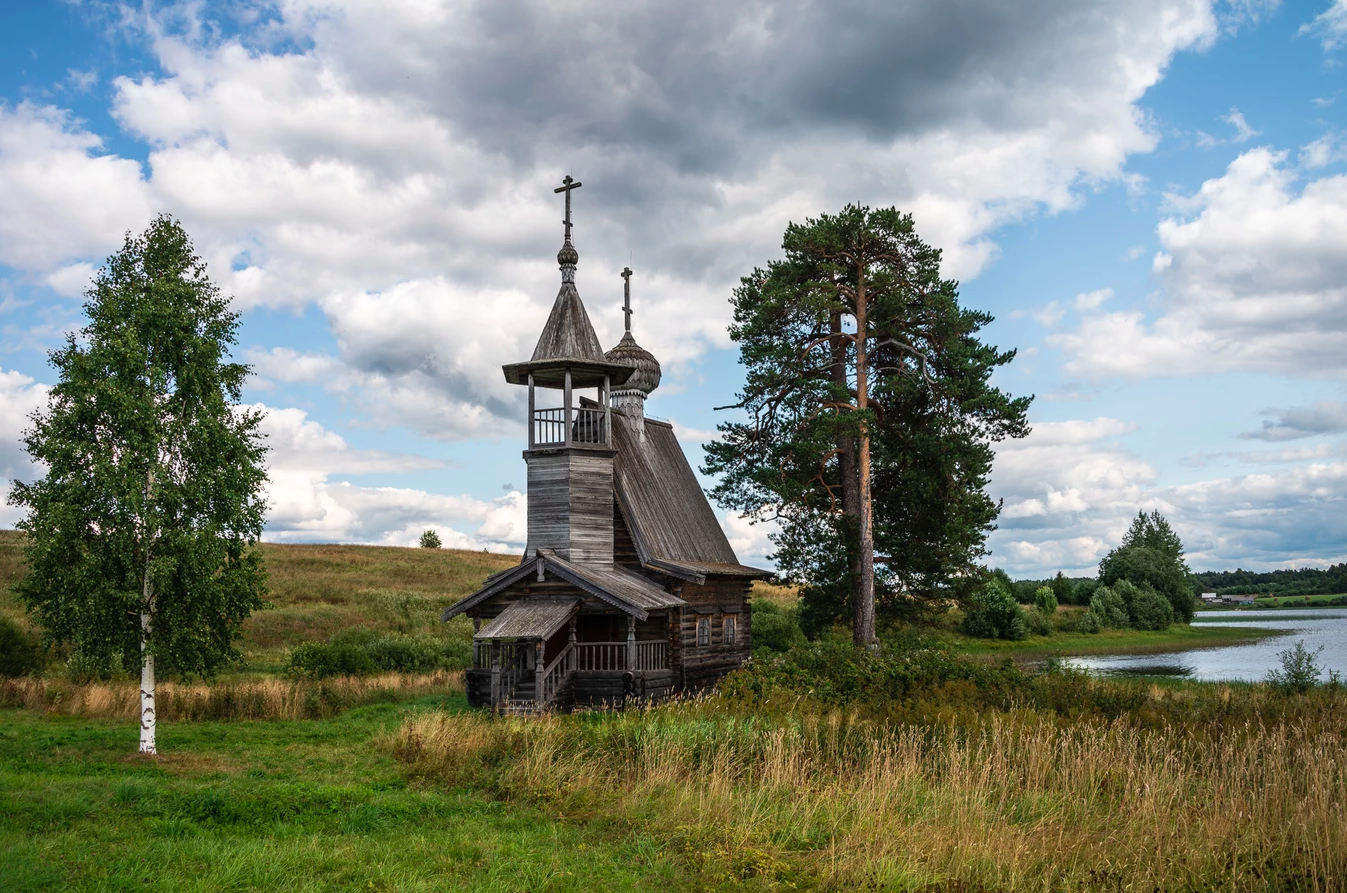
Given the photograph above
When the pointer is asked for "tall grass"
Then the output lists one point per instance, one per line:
(1020, 801)
(260, 699)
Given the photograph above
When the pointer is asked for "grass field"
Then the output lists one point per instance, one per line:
(1110, 641)
(820, 770)
(279, 805)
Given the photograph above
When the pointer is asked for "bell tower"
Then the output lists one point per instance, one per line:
(570, 446)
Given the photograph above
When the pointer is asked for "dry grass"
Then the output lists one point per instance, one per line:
(261, 699)
(781, 596)
(1021, 802)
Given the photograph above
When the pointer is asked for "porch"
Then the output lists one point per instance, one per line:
(540, 654)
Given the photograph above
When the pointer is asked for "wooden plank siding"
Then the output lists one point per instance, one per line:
(570, 503)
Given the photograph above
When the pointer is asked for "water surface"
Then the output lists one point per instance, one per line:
(1326, 627)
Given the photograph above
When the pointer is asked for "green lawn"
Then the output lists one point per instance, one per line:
(295, 806)
(1110, 641)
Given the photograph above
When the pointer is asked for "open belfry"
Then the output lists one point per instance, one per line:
(628, 588)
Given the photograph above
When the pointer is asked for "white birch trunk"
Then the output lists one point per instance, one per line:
(147, 715)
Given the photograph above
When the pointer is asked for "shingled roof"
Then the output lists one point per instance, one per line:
(670, 519)
(568, 341)
(624, 590)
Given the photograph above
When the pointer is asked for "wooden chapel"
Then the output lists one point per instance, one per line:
(628, 588)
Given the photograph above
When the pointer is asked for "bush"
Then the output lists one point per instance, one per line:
(993, 613)
(405, 654)
(1088, 622)
(775, 629)
(316, 660)
(430, 540)
(20, 652)
(359, 652)
(1083, 592)
(1109, 609)
(1300, 670)
(1151, 610)
(1040, 624)
(1046, 601)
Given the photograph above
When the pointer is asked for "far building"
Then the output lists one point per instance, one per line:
(628, 588)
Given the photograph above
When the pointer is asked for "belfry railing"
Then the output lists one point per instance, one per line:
(587, 426)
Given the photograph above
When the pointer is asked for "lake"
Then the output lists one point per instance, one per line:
(1315, 627)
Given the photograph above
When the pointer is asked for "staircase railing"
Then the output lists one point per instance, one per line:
(552, 678)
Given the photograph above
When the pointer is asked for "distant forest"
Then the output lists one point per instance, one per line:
(1306, 581)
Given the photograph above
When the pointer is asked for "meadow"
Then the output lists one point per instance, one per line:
(933, 765)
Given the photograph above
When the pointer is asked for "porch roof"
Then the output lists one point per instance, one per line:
(624, 590)
(529, 618)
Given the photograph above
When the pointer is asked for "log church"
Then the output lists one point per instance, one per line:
(628, 588)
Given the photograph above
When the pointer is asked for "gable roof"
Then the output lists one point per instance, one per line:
(670, 519)
(624, 590)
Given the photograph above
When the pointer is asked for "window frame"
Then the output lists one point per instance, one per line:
(703, 624)
(729, 630)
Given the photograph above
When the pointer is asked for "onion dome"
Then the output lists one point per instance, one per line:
(646, 374)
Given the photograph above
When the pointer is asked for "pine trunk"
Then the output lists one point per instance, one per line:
(846, 463)
(863, 624)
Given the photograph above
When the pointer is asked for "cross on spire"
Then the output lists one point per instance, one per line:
(567, 184)
(626, 296)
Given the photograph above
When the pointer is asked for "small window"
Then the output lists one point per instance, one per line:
(729, 631)
(703, 630)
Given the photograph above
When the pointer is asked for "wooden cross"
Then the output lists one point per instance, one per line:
(626, 295)
(567, 184)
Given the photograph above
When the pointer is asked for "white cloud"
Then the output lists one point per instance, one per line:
(1254, 278)
(750, 540)
(1071, 488)
(393, 163)
(59, 199)
(20, 397)
(1330, 26)
(308, 506)
(1092, 300)
(1243, 132)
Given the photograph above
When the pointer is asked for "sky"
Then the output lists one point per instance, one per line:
(1150, 197)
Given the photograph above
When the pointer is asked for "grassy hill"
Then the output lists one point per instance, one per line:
(317, 590)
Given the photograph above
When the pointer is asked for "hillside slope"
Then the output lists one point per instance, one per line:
(317, 590)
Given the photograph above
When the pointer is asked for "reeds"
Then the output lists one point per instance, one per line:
(261, 699)
(1021, 801)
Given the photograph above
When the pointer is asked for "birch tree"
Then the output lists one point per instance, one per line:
(870, 412)
(142, 533)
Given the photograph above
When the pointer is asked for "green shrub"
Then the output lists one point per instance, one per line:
(315, 660)
(405, 654)
(430, 540)
(21, 653)
(1151, 610)
(775, 629)
(1300, 670)
(1040, 624)
(1109, 609)
(1045, 600)
(359, 652)
(993, 613)
(456, 654)
(1088, 622)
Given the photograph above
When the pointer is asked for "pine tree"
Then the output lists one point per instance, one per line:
(871, 416)
(142, 534)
